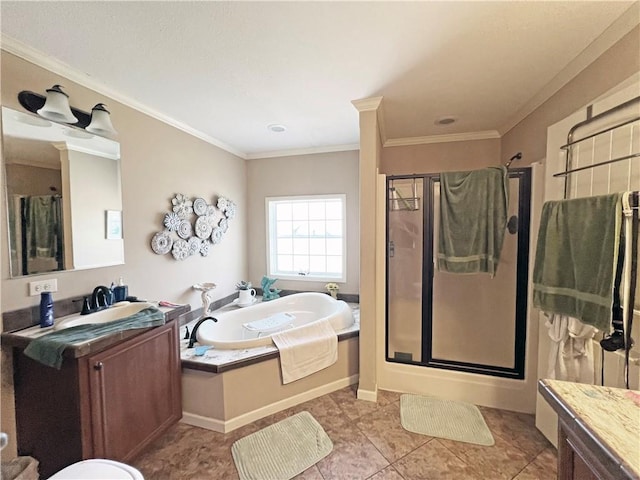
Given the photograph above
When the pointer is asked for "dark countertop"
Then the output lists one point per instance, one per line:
(21, 338)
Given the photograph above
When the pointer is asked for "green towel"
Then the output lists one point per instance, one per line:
(42, 224)
(576, 257)
(473, 218)
(48, 348)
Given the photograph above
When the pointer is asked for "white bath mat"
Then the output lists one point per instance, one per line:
(282, 450)
(444, 419)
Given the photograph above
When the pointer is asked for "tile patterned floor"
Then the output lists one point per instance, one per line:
(368, 443)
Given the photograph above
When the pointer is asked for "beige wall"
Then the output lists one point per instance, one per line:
(91, 200)
(614, 66)
(158, 161)
(321, 173)
(29, 180)
(440, 157)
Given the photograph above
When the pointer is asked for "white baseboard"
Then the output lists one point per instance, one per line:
(203, 422)
(368, 395)
(227, 426)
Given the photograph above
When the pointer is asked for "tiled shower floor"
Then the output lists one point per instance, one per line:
(368, 443)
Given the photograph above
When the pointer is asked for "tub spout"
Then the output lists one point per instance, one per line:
(192, 338)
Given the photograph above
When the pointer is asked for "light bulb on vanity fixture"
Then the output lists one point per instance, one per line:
(56, 106)
(100, 121)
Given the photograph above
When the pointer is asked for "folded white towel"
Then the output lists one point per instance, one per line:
(306, 350)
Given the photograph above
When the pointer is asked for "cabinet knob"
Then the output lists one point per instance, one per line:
(97, 366)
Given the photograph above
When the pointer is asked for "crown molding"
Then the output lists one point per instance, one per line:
(367, 104)
(618, 29)
(38, 58)
(453, 137)
(371, 104)
(303, 151)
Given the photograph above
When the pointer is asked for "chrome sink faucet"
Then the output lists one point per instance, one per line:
(192, 338)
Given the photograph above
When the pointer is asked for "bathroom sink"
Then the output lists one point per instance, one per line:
(116, 312)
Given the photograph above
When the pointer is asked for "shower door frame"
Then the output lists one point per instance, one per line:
(428, 269)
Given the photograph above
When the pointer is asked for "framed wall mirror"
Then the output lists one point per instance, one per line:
(61, 184)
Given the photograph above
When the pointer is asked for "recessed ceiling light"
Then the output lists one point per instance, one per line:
(446, 120)
(277, 128)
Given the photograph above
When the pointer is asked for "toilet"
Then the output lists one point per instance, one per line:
(98, 469)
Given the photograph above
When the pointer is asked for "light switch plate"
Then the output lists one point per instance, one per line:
(36, 288)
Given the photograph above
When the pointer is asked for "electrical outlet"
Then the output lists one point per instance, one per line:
(36, 288)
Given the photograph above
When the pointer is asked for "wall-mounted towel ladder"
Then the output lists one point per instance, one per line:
(607, 139)
(632, 124)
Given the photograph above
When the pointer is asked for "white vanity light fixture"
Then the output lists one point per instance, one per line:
(101, 121)
(56, 106)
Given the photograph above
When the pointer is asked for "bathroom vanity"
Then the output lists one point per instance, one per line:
(599, 430)
(111, 398)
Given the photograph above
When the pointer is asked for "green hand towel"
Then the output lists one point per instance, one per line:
(473, 218)
(576, 257)
(48, 348)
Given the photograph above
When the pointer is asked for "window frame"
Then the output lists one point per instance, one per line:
(270, 237)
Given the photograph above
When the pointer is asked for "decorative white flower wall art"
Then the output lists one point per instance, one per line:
(192, 227)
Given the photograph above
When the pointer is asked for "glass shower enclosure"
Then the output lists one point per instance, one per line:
(471, 323)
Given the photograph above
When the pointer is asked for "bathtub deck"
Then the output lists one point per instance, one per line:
(218, 361)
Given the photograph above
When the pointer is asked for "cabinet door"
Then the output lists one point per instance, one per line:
(48, 406)
(135, 392)
(576, 461)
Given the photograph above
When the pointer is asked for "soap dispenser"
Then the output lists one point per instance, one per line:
(120, 291)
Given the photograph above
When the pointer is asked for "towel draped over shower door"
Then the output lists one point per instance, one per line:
(473, 219)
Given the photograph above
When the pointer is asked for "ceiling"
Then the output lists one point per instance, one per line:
(224, 71)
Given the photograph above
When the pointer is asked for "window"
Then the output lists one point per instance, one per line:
(306, 237)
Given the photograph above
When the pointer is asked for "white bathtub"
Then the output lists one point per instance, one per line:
(253, 326)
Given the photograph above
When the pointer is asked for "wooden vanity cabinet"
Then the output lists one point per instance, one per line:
(598, 430)
(575, 460)
(108, 404)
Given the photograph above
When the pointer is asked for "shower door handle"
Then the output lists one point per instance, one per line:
(392, 249)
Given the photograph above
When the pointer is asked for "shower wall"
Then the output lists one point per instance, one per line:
(508, 393)
(481, 329)
(471, 323)
(405, 279)
(440, 157)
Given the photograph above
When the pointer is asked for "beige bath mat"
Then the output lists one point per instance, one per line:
(282, 450)
(444, 419)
